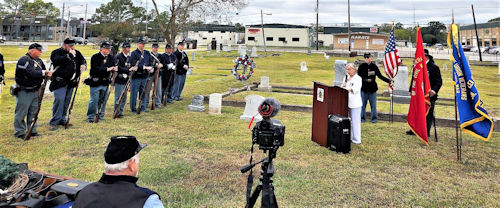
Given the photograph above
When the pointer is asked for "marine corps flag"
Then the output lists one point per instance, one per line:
(474, 119)
(420, 87)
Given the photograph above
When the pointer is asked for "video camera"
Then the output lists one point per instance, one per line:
(269, 133)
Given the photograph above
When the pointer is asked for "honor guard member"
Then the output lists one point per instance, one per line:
(368, 72)
(117, 186)
(181, 70)
(122, 77)
(436, 82)
(30, 71)
(157, 66)
(68, 64)
(102, 65)
(2, 70)
(140, 60)
(168, 60)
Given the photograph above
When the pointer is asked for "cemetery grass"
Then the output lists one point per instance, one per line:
(193, 159)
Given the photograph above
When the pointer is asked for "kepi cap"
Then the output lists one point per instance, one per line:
(180, 43)
(367, 55)
(69, 41)
(106, 44)
(168, 46)
(126, 45)
(155, 45)
(141, 41)
(35, 46)
(122, 148)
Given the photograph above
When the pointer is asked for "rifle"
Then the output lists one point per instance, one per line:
(155, 84)
(124, 93)
(106, 95)
(146, 90)
(66, 125)
(37, 111)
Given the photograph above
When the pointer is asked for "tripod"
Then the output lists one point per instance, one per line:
(266, 183)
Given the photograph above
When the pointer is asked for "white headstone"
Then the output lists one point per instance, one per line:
(217, 48)
(252, 108)
(264, 84)
(309, 51)
(499, 69)
(197, 104)
(209, 47)
(445, 67)
(327, 57)
(242, 50)
(303, 66)
(401, 84)
(189, 71)
(254, 52)
(215, 103)
(45, 47)
(193, 56)
(340, 72)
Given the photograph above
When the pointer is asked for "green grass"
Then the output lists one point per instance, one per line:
(193, 159)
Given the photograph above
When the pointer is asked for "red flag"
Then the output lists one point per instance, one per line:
(420, 87)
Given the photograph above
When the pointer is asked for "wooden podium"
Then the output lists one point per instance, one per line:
(327, 100)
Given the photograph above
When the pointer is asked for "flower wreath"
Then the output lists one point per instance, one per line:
(246, 64)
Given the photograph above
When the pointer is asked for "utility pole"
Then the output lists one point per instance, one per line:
(60, 29)
(262, 27)
(85, 23)
(146, 18)
(317, 24)
(68, 24)
(31, 26)
(349, 23)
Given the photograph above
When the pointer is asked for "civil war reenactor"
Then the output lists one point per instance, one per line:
(157, 66)
(141, 61)
(101, 66)
(68, 64)
(30, 72)
(2, 70)
(168, 60)
(122, 77)
(181, 70)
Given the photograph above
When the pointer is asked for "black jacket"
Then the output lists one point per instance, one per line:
(29, 72)
(113, 192)
(99, 64)
(67, 68)
(182, 59)
(141, 60)
(123, 69)
(367, 72)
(434, 78)
(167, 73)
(2, 67)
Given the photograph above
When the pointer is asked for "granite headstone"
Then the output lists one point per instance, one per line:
(340, 72)
(197, 104)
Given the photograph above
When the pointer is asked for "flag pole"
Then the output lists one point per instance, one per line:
(459, 142)
(391, 88)
(477, 37)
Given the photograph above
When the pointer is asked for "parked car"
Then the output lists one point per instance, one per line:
(493, 50)
(484, 49)
(474, 49)
(81, 41)
(467, 47)
(438, 46)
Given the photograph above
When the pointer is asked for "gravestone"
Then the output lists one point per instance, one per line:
(445, 67)
(252, 108)
(499, 69)
(45, 47)
(327, 57)
(264, 84)
(209, 47)
(226, 48)
(303, 66)
(309, 51)
(400, 93)
(197, 104)
(189, 71)
(193, 56)
(217, 48)
(254, 52)
(215, 103)
(242, 50)
(340, 72)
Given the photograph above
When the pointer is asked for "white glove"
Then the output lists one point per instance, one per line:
(83, 67)
(171, 66)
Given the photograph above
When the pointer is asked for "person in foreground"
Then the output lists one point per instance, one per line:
(117, 186)
(353, 84)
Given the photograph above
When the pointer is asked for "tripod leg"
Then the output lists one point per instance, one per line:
(274, 202)
(254, 196)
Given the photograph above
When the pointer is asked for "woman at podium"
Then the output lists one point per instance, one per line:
(353, 83)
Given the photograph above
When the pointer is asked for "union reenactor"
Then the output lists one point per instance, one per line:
(157, 66)
(168, 60)
(68, 64)
(181, 70)
(2, 70)
(122, 78)
(101, 66)
(141, 61)
(30, 72)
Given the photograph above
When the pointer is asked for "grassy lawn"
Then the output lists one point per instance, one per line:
(193, 159)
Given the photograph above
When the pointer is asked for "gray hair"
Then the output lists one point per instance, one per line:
(118, 167)
(351, 65)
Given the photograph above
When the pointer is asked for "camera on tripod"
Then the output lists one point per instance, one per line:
(269, 133)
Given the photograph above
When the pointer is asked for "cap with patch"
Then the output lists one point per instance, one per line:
(35, 46)
(126, 45)
(106, 44)
(122, 148)
(69, 41)
(168, 46)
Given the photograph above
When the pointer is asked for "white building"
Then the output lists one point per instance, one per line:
(223, 34)
(281, 35)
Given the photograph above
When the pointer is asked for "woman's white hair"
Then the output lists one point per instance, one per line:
(118, 167)
(351, 65)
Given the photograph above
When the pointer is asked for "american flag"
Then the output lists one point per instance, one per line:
(391, 58)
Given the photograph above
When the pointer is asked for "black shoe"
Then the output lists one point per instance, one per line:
(53, 127)
(35, 134)
(120, 116)
(20, 136)
(90, 120)
(410, 132)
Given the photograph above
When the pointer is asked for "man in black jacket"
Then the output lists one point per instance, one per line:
(180, 72)
(436, 82)
(2, 70)
(122, 77)
(30, 71)
(157, 66)
(367, 71)
(101, 66)
(168, 60)
(68, 64)
(141, 62)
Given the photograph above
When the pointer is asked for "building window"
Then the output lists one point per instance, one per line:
(222, 31)
(204, 38)
(210, 31)
(251, 38)
(494, 42)
(282, 39)
(295, 39)
(269, 38)
(486, 31)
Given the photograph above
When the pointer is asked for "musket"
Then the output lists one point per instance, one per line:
(155, 84)
(66, 125)
(106, 95)
(146, 89)
(41, 92)
(124, 93)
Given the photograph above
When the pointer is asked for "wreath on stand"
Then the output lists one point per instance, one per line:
(245, 65)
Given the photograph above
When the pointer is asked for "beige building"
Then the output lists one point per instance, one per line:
(360, 41)
(223, 34)
(488, 33)
(281, 35)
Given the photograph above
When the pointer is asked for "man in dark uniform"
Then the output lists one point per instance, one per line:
(2, 71)
(101, 66)
(436, 82)
(122, 77)
(117, 186)
(141, 61)
(30, 72)
(180, 72)
(157, 66)
(367, 71)
(68, 64)
(168, 60)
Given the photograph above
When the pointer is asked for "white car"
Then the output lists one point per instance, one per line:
(474, 49)
(494, 50)
(2, 39)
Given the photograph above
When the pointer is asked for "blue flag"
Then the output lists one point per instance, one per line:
(474, 119)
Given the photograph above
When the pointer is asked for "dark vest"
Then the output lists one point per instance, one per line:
(113, 192)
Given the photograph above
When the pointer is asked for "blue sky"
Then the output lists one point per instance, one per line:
(334, 12)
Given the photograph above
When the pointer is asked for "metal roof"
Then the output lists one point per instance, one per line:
(337, 30)
(277, 25)
(213, 27)
(481, 25)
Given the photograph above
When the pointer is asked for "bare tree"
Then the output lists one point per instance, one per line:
(181, 12)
